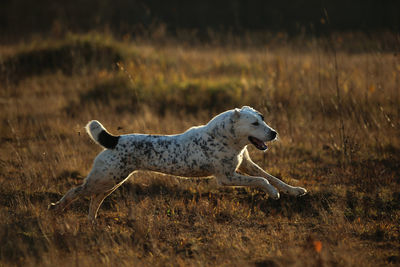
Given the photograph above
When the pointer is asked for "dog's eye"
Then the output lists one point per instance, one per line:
(255, 123)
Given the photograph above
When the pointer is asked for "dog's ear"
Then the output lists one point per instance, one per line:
(236, 114)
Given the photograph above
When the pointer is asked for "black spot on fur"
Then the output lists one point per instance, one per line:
(107, 140)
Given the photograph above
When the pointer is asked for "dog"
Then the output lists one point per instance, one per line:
(217, 149)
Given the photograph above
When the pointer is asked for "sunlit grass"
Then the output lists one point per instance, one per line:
(350, 216)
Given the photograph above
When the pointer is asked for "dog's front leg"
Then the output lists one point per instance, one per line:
(236, 179)
(249, 167)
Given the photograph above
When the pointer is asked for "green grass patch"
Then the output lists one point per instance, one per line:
(191, 95)
(70, 56)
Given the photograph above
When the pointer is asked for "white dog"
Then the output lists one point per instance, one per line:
(218, 148)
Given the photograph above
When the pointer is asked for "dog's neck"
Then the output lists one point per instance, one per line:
(222, 128)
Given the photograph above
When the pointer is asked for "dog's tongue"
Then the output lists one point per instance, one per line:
(262, 145)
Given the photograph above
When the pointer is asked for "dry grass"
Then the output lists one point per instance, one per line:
(339, 138)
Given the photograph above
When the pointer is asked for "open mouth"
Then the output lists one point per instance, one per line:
(258, 143)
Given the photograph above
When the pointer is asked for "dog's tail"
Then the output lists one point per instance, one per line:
(100, 135)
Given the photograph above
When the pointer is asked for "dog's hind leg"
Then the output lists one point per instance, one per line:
(97, 199)
(72, 195)
(97, 181)
(95, 203)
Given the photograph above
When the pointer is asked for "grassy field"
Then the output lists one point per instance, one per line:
(336, 107)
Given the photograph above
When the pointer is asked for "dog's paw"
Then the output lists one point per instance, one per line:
(53, 207)
(275, 195)
(299, 191)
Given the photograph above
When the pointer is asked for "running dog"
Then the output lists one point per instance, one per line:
(218, 148)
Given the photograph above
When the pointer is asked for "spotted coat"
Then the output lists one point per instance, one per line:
(218, 149)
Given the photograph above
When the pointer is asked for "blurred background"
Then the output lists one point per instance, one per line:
(23, 18)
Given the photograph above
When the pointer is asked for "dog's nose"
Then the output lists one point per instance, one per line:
(273, 135)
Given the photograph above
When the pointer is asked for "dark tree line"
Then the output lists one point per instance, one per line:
(20, 17)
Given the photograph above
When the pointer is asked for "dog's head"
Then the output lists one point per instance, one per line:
(249, 125)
